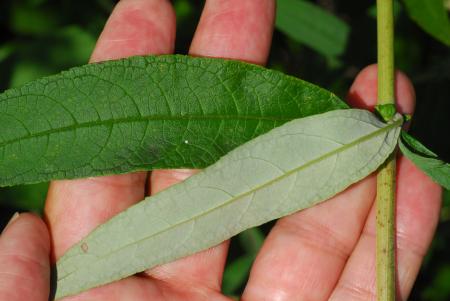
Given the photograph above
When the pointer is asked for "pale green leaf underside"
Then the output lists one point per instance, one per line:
(290, 168)
(143, 113)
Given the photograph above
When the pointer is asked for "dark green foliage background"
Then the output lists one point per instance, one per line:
(42, 37)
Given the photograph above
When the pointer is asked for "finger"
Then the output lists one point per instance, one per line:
(25, 260)
(305, 253)
(229, 29)
(137, 27)
(418, 204)
(74, 208)
(235, 29)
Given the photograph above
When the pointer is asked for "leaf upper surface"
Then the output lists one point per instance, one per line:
(312, 25)
(432, 16)
(292, 167)
(144, 113)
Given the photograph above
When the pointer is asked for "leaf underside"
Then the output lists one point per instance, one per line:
(144, 113)
(292, 167)
(425, 159)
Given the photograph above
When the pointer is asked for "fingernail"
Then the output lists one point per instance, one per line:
(13, 218)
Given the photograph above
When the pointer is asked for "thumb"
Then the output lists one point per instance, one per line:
(24, 260)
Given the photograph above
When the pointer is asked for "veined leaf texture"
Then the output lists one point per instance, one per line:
(425, 159)
(144, 113)
(290, 168)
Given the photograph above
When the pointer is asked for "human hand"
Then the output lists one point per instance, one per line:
(325, 252)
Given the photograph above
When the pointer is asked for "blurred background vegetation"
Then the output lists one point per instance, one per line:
(325, 41)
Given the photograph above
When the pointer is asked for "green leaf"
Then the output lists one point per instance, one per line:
(144, 113)
(26, 71)
(432, 16)
(386, 111)
(438, 288)
(425, 159)
(309, 24)
(6, 50)
(252, 240)
(236, 273)
(445, 209)
(183, 9)
(29, 20)
(292, 167)
(25, 197)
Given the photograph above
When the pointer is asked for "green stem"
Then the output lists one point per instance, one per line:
(385, 202)
(385, 251)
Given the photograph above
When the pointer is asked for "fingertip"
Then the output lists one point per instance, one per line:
(25, 260)
(30, 227)
(404, 93)
(137, 27)
(27, 224)
(235, 29)
(364, 91)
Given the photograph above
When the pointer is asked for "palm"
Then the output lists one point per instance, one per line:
(312, 255)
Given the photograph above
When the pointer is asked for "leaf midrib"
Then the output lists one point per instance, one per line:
(112, 122)
(281, 177)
